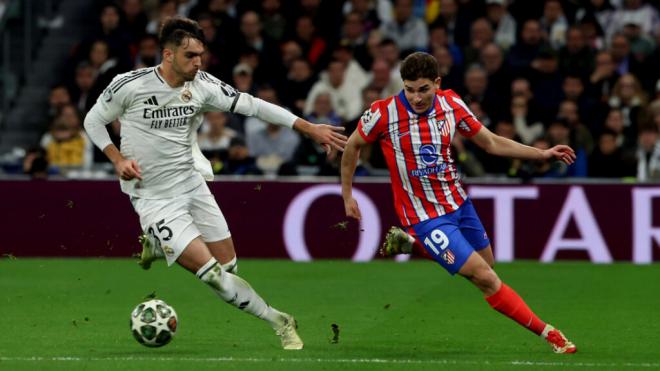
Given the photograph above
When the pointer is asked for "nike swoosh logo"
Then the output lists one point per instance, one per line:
(403, 134)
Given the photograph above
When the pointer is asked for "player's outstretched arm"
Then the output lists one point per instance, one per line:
(348, 164)
(500, 146)
(330, 137)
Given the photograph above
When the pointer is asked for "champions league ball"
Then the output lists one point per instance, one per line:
(153, 323)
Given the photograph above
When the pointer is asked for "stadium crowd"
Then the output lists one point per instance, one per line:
(577, 72)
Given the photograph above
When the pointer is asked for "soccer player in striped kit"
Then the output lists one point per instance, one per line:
(415, 129)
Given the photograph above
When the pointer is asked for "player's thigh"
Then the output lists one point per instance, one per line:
(169, 223)
(471, 227)
(194, 256)
(444, 242)
(209, 219)
(487, 255)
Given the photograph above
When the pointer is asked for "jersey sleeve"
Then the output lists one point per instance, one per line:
(109, 106)
(371, 126)
(467, 123)
(113, 101)
(220, 96)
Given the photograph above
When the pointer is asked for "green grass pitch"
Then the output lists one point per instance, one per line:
(73, 314)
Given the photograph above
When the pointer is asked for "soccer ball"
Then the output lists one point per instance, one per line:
(153, 323)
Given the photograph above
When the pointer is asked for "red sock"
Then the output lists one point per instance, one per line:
(509, 303)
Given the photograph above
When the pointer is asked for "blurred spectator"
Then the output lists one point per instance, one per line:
(67, 146)
(593, 32)
(323, 112)
(603, 77)
(298, 84)
(554, 23)
(354, 72)
(503, 23)
(314, 47)
(272, 146)
(114, 35)
(215, 136)
(600, 11)
(274, 22)
(476, 84)
(623, 59)
(608, 160)
(253, 38)
(528, 46)
(409, 32)
(499, 165)
(239, 161)
(499, 75)
(353, 35)
(457, 19)
(381, 79)
(481, 34)
(576, 57)
(389, 52)
(105, 66)
(59, 97)
(559, 132)
(636, 12)
(166, 9)
(149, 53)
(527, 131)
(581, 137)
(135, 20)
(371, 12)
(614, 124)
(546, 81)
(81, 93)
(242, 78)
(648, 154)
(438, 39)
(450, 73)
(346, 98)
(573, 89)
(541, 169)
(35, 163)
(628, 96)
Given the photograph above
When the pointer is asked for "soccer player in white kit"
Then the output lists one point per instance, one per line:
(163, 171)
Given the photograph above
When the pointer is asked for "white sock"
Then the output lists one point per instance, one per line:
(237, 292)
(231, 266)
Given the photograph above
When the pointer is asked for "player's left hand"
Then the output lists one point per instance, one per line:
(560, 152)
(352, 209)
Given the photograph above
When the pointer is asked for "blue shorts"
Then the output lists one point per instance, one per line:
(451, 238)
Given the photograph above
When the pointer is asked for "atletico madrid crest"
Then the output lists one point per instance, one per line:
(449, 257)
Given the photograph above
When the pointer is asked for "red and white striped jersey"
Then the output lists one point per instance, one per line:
(425, 181)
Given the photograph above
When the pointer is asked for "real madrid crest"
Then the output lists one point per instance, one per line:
(186, 95)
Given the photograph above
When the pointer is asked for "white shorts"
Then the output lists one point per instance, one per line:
(176, 221)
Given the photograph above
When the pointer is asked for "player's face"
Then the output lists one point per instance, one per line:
(420, 93)
(187, 58)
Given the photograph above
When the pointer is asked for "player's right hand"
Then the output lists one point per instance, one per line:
(352, 209)
(128, 169)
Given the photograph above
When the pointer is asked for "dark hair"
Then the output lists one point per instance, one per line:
(419, 65)
(176, 29)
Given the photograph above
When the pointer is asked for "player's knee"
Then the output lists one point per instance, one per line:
(485, 279)
(210, 274)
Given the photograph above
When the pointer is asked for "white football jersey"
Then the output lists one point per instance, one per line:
(159, 123)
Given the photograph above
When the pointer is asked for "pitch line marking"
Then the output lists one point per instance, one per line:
(333, 360)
